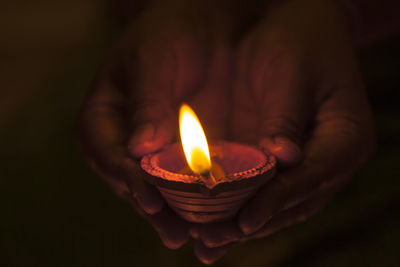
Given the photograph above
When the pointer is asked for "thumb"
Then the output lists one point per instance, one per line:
(154, 131)
(151, 98)
(152, 134)
(168, 69)
(273, 86)
(287, 152)
(284, 114)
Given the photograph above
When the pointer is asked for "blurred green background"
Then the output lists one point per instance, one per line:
(56, 212)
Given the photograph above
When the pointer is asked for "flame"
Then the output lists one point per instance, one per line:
(194, 141)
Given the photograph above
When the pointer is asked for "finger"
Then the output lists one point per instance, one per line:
(173, 231)
(287, 190)
(284, 99)
(151, 100)
(294, 215)
(285, 109)
(335, 150)
(103, 133)
(148, 197)
(286, 151)
(210, 255)
(217, 234)
(136, 205)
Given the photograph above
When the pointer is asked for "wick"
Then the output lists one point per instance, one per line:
(209, 179)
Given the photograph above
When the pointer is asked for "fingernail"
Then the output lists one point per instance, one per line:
(144, 133)
(208, 261)
(246, 228)
(250, 225)
(219, 243)
(286, 151)
(194, 233)
(150, 206)
(142, 141)
(284, 141)
(170, 243)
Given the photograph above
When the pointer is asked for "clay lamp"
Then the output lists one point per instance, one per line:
(204, 182)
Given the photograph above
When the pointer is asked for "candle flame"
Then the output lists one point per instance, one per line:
(194, 141)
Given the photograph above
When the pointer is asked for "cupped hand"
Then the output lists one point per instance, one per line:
(299, 95)
(296, 92)
(167, 56)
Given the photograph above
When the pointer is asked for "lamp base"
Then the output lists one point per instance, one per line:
(246, 168)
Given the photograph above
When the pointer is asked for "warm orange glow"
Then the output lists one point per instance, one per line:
(194, 141)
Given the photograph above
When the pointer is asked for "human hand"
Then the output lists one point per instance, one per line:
(171, 54)
(299, 95)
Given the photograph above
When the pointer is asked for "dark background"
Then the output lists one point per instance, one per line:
(56, 212)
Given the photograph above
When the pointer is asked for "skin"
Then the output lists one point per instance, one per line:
(285, 79)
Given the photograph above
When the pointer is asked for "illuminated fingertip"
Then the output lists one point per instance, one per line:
(170, 243)
(143, 133)
(208, 261)
(142, 141)
(287, 152)
(194, 233)
(151, 207)
(246, 226)
(246, 229)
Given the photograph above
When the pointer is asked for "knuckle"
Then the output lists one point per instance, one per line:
(280, 125)
(340, 123)
(210, 243)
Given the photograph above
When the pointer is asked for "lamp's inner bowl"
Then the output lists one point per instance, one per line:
(233, 158)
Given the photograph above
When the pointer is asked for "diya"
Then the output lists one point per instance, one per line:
(203, 182)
